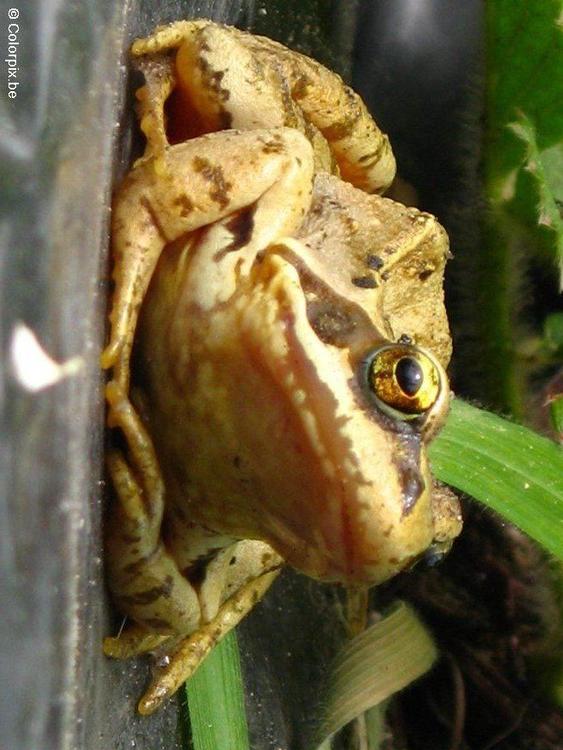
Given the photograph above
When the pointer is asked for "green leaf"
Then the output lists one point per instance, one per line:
(524, 85)
(374, 665)
(506, 466)
(553, 331)
(556, 413)
(546, 171)
(216, 700)
(524, 63)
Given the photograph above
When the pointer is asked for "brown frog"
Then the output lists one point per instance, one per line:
(290, 340)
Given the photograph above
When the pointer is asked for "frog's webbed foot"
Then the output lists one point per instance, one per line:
(183, 660)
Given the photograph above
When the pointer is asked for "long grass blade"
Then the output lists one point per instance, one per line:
(510, 468)
(216, 700)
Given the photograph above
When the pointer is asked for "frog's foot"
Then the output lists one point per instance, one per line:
(133, 641)
(185, 659)
(270, 86)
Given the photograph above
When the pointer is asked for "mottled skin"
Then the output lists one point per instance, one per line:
(251, 439)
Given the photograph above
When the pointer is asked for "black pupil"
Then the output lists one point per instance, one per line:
(409, 375)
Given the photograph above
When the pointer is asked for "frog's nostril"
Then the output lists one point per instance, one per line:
(434, 555)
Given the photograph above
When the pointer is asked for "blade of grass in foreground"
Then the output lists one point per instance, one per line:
(216, 700)
(506, 466)
(374, 665)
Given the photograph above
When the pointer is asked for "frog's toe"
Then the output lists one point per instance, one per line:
(133, 641)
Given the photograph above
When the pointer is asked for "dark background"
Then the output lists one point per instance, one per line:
(64, 141)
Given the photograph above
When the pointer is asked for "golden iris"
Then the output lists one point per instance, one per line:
(404, 379)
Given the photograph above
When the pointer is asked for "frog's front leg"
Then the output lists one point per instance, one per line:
(187, 187)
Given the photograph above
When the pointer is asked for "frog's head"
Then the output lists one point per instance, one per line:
(344, 402)
(311, 390)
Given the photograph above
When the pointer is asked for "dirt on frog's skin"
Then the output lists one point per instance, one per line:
(492, 608)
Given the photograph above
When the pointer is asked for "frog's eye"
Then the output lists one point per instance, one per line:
(404, 381)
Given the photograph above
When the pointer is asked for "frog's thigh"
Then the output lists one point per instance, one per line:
(195, 184)
(227, 84)
(362, 151)
(168, 37)
(184, 660)
(231, 569)
(252, 94)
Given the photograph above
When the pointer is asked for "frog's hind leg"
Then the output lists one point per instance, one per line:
(362, 151)
(272, 86)
(186, 658)
(160, 80)
(144, 578)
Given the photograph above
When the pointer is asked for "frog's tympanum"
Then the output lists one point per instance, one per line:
(289, 338)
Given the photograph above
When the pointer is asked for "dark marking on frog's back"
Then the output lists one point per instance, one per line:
(150, 595)
(196, 571)
(212, 80)
(341, 128)
(364, 282)
(368, 160)
(423, 275)
(274, 145)
(184, 204)
(240, 226)
(213, 173)
(344, 127)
